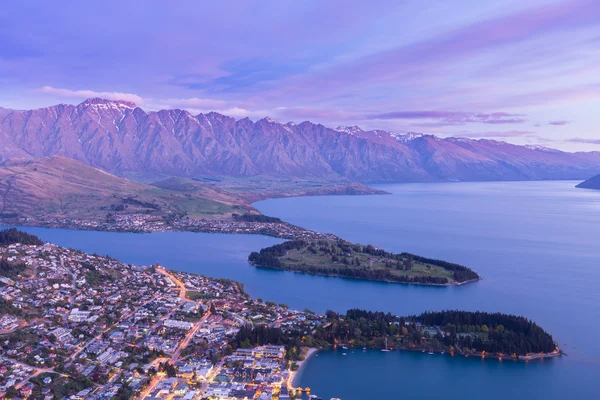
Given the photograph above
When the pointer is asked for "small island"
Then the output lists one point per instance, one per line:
(337, 257)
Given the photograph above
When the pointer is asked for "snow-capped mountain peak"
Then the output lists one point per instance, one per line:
(350, 130)
(405, 137)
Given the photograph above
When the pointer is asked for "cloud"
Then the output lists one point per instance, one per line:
(444, 53)
(196, 102)
(494, 134)
(86, 94)
(313, 113)
(558, 123)
(449, 118)
(196, 105)
(583, 141)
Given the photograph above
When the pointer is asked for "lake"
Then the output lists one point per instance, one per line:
(536, 244)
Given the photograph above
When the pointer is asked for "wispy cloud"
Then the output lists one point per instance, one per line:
(493, 134)
(449, 118)
(85, 94)
(558, 123)
(583, 141)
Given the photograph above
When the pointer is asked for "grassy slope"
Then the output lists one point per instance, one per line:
(338, 257)
(63, 188)
(304, 256)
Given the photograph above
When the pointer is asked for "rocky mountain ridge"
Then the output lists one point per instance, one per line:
(123, 139)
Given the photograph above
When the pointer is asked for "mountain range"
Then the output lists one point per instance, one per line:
(123, 139)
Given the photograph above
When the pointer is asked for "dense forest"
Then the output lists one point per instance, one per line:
(6, 308)
(250, 336)
(457, 331)
(11, 270)
(505, 333)
(341, 264)
(255, 218)
(13, 235)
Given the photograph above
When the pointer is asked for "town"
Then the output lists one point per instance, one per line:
(77, 326)
(147, 223)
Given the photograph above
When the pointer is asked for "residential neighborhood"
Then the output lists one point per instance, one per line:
(147, 223)
(82, 326)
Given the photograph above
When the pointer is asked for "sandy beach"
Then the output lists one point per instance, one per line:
(292, 380)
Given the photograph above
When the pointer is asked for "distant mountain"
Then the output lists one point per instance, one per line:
(59, 187)
(125, 140)
(592, 183)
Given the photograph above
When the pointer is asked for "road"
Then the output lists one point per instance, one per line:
(186, 340)
(37, 371)
(189, 336)
(99, 336)
(175, 280)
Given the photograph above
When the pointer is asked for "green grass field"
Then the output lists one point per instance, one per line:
(304, 256)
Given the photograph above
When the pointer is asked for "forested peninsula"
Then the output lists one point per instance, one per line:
(465, 333)
(338, 257)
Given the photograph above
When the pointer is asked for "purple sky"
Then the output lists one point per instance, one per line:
(520, 71)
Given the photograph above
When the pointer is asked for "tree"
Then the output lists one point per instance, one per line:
(11, 393)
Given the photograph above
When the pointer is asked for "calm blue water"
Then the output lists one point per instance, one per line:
(537, 245)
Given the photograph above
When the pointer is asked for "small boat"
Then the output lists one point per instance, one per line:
(443, 352)
(430, 352)
(386, 348)
(344, 354)
(344, 347)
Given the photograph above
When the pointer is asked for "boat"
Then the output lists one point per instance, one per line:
(386, 348)
(344, 347)
(430, 352)
(344, 354)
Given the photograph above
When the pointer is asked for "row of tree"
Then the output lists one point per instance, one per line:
(496, 332)
(255, 218)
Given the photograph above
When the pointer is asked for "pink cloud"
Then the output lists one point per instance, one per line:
(501, 134)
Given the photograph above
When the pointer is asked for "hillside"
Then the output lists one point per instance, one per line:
(58, 187)
(125, 140)
(592, 183)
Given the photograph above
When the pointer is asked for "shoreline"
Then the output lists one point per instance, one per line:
(233, 232)
(295, 375)
(519, 358)
(372, 280)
